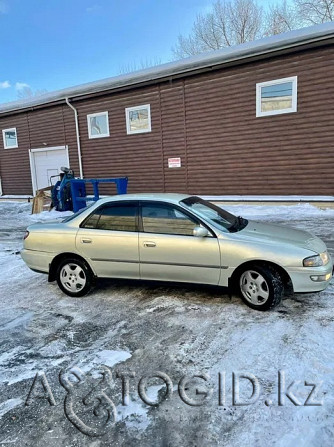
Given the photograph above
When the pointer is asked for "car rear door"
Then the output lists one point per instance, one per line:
(109, 239)
(168, 249)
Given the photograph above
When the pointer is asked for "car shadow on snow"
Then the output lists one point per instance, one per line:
(152, 289)
(301, 304)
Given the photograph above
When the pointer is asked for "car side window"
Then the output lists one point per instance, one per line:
(91, 220)
(122, 217)
(165, 219)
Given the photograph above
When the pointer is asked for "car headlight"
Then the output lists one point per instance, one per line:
(325, 257)
(317, 260)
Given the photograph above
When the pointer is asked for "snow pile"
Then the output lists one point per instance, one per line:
(281, 212)
(18, 214)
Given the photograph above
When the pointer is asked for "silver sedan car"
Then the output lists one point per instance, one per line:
(179, 238)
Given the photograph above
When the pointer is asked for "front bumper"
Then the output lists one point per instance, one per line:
(301, 277)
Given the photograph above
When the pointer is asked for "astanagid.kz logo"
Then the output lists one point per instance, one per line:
(90, 407)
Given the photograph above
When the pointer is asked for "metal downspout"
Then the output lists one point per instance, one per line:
(78, 135)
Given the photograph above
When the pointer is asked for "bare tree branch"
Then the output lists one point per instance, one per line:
(143, 63)
(231, 22)
(27, 92)
(315, 11)
(280, 18)
(245, 22)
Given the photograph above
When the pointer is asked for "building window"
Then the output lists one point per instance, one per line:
(138, 119)
(276, 97)
(10, 138)
(98, 125)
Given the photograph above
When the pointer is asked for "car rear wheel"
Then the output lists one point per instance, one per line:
(74, 277)
(261, 288)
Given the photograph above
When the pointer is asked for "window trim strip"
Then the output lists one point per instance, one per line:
(260, 85)
(89, 116)
(172, 264)
(4, 138)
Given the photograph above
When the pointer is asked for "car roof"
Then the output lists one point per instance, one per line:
(165, 197)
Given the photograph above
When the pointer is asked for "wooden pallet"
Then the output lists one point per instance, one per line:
(42, 201)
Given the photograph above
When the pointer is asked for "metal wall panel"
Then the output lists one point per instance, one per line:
(209, 121)
(14, 163)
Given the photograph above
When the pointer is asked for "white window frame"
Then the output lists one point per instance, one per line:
(93, 115)
(127, 117)
(291, 109)
(4, 138)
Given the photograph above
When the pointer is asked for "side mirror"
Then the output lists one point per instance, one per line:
(200, 232)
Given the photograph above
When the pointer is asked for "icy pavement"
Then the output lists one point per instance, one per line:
(142, 328)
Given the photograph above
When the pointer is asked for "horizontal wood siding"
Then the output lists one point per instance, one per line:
(53, 126)
(70, 138)
(46, 127)
(137, 156)
(174, 135)
(14, 163)
(283, 154)
(207, 120)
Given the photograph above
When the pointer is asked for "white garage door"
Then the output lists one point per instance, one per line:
(45, 163)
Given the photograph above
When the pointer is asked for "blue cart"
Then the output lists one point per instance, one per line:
(78, 190)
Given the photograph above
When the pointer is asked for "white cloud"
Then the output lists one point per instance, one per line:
(5, 84)
(3, 7)
(21, 85)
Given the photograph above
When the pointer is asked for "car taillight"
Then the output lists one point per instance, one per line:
(26, 234)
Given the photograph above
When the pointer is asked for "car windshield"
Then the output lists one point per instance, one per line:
(214, 214)
(73, 216)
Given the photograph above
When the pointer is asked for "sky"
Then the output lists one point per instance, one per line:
(53, 44)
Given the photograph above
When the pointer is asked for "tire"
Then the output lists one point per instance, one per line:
(261, 288)
(74, 277)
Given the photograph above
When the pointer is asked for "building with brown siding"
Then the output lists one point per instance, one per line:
(256, 119)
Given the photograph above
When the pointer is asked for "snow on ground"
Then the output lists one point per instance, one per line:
(9, 405)
(142, 328)
(287, 212)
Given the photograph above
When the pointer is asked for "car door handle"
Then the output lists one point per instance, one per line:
(149, 244)
(86, 241)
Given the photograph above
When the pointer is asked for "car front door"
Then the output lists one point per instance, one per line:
(109, 239)
(168, 249)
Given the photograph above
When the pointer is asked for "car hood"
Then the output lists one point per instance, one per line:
(280, 234)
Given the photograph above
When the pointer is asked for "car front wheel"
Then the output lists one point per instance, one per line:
(261, 287)
(74, 277)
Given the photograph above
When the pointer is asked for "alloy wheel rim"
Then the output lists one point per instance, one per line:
(254, 287)
(72, 277)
